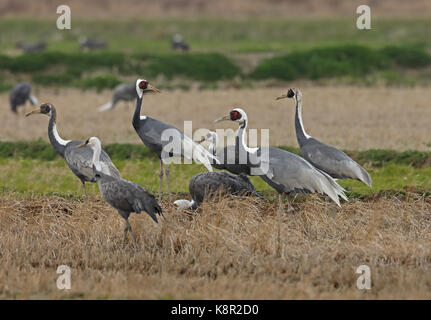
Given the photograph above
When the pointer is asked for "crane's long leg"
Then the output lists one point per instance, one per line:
(280, 204)
(160, 179)
(290, 209)
(125, 235)
(167, 178)
(85, 188)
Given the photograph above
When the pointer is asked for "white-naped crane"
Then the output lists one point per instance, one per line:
(324, 157)
(19, 95)
(206, 185)
(123, 195)
(284, 171)
(78, 160)
(164, 139)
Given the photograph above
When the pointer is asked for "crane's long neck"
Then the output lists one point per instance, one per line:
(240, 139)
(301, 135)
(56, 141)
(96, 157)
(137, 114)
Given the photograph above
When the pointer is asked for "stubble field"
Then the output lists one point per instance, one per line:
(232, 249)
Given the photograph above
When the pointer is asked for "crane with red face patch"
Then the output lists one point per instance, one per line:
(284, 171)
(167, 141)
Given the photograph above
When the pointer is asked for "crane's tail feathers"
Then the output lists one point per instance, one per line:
(331, 188)
(33, 100)
(105, 107)
(365, 178)
(199, 153)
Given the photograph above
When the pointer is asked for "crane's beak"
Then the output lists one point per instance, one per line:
(151, 88)
(201, 140)
(225, 118)
(81, 145)
(35, 111)
(283, 96)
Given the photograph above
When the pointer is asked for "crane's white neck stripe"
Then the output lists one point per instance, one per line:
(300, 120)
(96, 158)
(244, 145)
(57, 136)
(142, 117)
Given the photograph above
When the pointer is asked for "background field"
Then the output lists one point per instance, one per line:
(366, 92)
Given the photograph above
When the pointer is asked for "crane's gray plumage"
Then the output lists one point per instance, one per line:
(92, 44)
(178, 43)
(284, 171)
(122, 92)
(31, 47)
(324, 157)
(123, 195)
(78, 160)
(19, 95)
(159, 137)
(207, 184)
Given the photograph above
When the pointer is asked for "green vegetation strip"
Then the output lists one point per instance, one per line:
(42, 150)
(345, 60)
(77, 68)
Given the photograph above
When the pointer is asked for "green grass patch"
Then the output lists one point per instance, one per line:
(31, 176)
(336, 61)
(42, 150)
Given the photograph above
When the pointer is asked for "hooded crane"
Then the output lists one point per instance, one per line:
(324, 157)
(122, 92)
(123, 195)
(19, 95)
(78, 160)
(164, 139)
(206, 184)
(284, 171)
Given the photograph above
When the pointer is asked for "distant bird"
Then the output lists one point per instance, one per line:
(167, 141)
(31, 47)
(284, 171)
(19, 95)
(205, 185)
(78, 160)
(123, 195)
(122, 92)
(92, 44)
(324, 157)
(178, 43)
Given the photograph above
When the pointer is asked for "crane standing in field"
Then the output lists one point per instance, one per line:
(122, 92)
(91, 44)
(284, 171)
(206, 184)
(78, 160)
(164, 139)
(123, 195)
(31, 47)
(324, 157)
(19, 95)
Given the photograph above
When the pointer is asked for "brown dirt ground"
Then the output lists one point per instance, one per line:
(228, 250)
(354, 118)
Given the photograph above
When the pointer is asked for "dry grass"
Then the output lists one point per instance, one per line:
(230, 249)
(165, 8)
(348, 117)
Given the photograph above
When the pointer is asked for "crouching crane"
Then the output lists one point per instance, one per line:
(205, 185)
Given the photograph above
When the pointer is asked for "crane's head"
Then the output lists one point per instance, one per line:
(236, 114)
(44, 108)
(142, 84)
(93, 143)
(291, 93)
